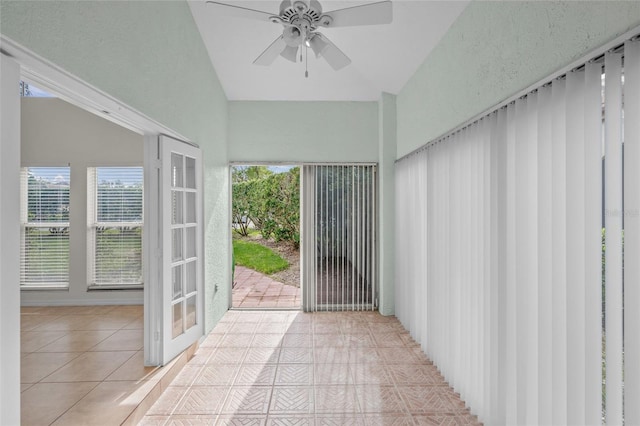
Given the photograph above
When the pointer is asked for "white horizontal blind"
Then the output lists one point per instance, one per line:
(44, 216)
(115, 226)
(339, 209)
(499, 229)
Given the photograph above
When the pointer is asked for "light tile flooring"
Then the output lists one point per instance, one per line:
(82, 364)
(255, 290)
(281, 368)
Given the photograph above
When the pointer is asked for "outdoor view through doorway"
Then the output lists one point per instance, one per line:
(266, 236)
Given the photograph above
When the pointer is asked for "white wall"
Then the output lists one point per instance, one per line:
(56, 133)
(494, 50)
(303, 131)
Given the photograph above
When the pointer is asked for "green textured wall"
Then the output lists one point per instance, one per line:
(494, 50)
(150, 56)
(313, 131)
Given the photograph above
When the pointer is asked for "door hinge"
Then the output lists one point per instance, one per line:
(156, 336)
(157, 164)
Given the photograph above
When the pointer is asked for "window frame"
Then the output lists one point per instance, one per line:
(93, 224)
(25, 224)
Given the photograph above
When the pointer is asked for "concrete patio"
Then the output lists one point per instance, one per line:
(255, 290)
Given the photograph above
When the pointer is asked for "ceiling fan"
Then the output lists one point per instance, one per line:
(301, 20)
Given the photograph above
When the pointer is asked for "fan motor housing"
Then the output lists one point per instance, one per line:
(292, 11)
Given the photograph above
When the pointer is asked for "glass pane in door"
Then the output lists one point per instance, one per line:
(177, 319)
(176, 273)
(176, 206)
(190, 243)
(191, 312)
(177, 170)
(190, 173)
(191, 277)
(176, 244)
(190, 207)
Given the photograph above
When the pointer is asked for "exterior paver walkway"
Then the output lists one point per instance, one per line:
(255, 290)
(325, 368)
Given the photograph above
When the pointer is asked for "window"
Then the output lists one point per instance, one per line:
(28, 90)
(44, 216)
(115, 227)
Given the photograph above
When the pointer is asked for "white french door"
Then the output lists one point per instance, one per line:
(176, 299)
(182, 248)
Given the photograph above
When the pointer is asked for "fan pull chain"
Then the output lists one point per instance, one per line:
(306, 62)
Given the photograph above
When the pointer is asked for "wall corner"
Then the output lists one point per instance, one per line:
(387, 147)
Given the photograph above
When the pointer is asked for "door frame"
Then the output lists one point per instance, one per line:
(48, 76)
(263, 163)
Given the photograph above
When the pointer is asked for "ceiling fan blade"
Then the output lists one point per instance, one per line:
(334, 56)
(239, 12)
(367, 14)
(271, 53)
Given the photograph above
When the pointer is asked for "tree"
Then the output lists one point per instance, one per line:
(278, 206)
(247, 173)
(240, 206)
(271, 202)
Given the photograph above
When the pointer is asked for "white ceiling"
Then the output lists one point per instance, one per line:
(383, 57)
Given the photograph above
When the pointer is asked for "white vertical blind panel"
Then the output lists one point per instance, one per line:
(424, 237)
(494, 353)
(499, 187)
(44, 216)
(531, 260)
(632, 233)
(521, 223)
(510, 283)
(575, 249)
(544, 287)
(308, 239)
(593, 243)
(453, 297)
(558, 252)
(613, 236)
(487, 332)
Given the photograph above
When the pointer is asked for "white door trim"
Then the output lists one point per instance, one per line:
(9, 240)
(50, 77)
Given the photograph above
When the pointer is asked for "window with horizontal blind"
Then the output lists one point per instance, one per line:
(44, 217)
(115, 226)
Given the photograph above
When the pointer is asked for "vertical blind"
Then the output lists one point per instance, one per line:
(44, 216)
(339, 228)
(114, 208)
(504, 229)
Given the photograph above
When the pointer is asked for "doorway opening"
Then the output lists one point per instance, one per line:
(265, 222)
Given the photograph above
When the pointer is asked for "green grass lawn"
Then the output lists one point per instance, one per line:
(258, 257)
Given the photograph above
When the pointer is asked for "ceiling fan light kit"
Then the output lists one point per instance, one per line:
(301, 19)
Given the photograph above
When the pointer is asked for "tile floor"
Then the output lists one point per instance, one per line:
(82, 364)
(281, 368)
(255, 290)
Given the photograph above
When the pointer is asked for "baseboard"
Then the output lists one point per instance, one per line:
(83, 302)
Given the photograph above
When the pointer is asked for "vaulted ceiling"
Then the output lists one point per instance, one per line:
(383, 57)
